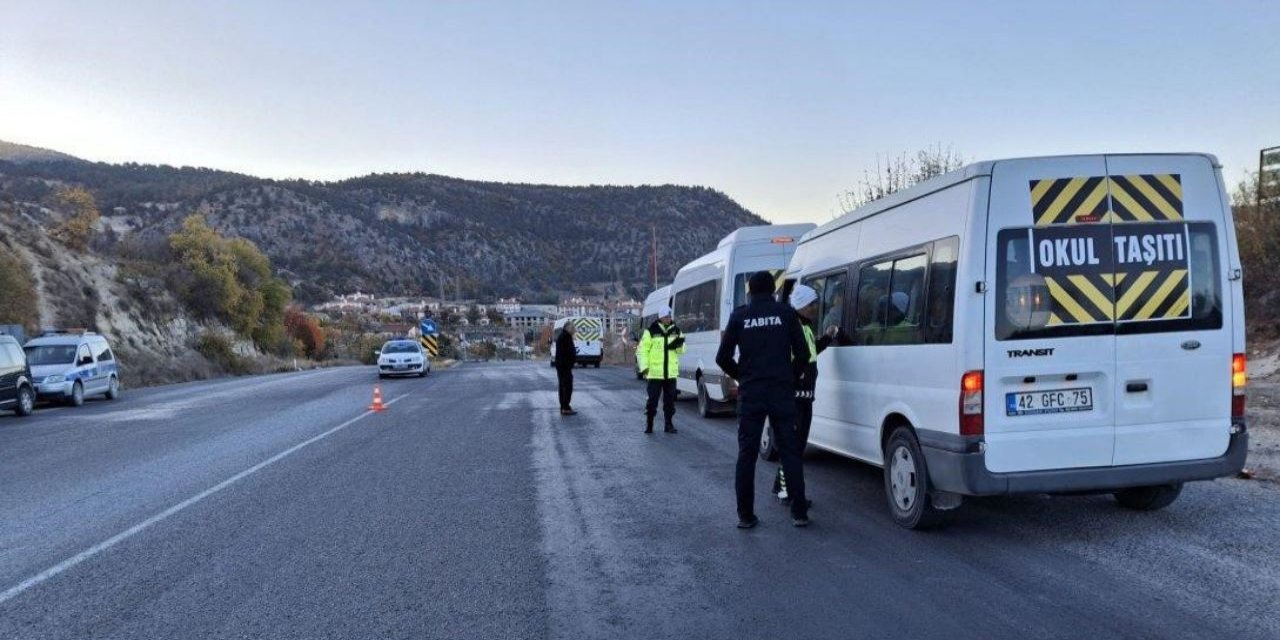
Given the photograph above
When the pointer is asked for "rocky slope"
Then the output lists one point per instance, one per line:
(407, 233)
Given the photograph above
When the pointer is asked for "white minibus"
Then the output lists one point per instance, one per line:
(1040, 325)
(707, 290)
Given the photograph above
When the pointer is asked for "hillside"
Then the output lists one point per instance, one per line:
(403, 233)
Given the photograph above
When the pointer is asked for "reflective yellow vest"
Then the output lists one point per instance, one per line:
(652, 352)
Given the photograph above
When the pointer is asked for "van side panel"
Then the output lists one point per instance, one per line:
(862, 386)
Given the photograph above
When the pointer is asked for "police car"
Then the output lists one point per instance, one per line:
(403, 358)
(1053, 325)
(68, 367)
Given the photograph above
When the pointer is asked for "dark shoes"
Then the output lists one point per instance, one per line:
(748, 523)
(568, 412)
(669, 428)
(800, 521)
(648, 424)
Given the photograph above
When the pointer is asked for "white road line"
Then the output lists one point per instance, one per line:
(63, 566)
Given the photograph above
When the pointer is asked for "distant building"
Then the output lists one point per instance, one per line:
(527, 318)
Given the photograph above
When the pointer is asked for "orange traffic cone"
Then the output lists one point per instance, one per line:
(377, 399)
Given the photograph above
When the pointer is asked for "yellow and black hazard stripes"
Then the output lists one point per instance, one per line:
(1160, 294)
(1143, 197)
(1147, 197)
(431, 343)
(1080, 299)
(589, 329)
(1069, 200)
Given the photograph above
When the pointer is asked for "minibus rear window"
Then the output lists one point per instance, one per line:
(1181, 296)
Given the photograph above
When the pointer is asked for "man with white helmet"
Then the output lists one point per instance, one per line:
(658, 357)
(805, 301)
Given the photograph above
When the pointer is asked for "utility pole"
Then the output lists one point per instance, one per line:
(653, 230)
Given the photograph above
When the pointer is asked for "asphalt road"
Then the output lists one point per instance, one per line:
(276, 507)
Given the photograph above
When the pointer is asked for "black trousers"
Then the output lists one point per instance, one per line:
(804, 421)
(777, 402)
(565, 375)
(666, 389)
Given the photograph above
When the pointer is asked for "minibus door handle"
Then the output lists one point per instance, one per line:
(1135, 387)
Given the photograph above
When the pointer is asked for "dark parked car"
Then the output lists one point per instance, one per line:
(16, 391)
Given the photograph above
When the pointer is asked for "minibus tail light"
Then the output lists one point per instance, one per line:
(1239, 379)
(971, 384)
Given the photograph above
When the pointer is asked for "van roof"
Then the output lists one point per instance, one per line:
(952, 178)
(59, 339)
(765, 232)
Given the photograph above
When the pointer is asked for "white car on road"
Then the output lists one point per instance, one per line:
(403, 358)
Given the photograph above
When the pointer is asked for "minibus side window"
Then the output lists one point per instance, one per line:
(904, 306)
(831, 296)
(697, 308)
(942, 290)
(873, 288)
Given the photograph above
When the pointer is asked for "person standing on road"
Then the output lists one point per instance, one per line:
(566, 358)
(658, 356)
(771, 354)
(805, 301)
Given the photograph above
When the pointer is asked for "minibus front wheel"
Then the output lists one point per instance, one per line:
(906, 482)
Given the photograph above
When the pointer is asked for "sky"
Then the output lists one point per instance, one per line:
(781, 105)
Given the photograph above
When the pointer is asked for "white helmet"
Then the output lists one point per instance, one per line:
(803, 296)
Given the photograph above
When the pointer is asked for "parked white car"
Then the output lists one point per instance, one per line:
(1038, 325)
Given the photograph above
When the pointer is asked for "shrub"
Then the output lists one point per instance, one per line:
(78, 228)
(18, 302)
(229, 279)
(218, 350)
(306, 331)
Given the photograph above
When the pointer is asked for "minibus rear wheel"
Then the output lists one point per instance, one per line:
(906, 482)
(1148, 498)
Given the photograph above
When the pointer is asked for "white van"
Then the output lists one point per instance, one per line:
(708, 289)
(1040, 325)
(588, 341)
(661, 297)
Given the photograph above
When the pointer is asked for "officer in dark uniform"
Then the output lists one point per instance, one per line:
(772, 355)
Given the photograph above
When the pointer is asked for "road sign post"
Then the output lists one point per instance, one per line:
(1268, 175)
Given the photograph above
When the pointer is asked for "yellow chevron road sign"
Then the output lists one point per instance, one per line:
(432, 344)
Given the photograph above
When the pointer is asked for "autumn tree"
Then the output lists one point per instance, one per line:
(229, 279)
(82, 217)
(306, 331)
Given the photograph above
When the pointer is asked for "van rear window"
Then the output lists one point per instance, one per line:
(1082, 280)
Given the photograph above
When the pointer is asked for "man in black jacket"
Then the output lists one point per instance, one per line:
(565, 359)
(771, 355)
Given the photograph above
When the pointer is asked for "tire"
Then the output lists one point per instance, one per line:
(422, 374)
(597, 365)
(77, 395)
(113, 389)
(906, 482)
(1148, 498)
(768, 448)
(706, 406)
(26, 401)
